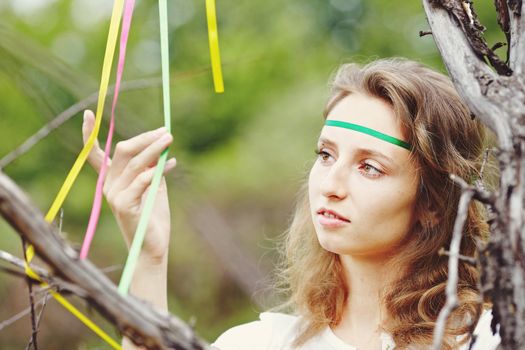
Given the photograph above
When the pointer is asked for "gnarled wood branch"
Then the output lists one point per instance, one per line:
(498, 99)
(134, 318)
(480, 87)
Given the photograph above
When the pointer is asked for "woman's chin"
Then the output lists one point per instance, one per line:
(333, 244)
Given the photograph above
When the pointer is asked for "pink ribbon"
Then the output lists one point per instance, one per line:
(97, 201)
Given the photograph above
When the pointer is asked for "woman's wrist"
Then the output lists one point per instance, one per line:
(150, 280)
(153, 261)
(155, 247)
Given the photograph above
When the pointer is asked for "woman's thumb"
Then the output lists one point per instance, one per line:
(96, 156)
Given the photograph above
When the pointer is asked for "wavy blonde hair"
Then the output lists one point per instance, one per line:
(446, 140)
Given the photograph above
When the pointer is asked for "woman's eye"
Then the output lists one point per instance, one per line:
(370, 170)
(366, 168)
(323, 155)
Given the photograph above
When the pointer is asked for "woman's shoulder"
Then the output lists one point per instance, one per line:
(269, 332)
(275, 330)
(483, 338)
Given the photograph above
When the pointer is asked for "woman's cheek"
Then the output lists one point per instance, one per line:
(315, 179)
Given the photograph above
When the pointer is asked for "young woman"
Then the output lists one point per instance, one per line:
(363, 267)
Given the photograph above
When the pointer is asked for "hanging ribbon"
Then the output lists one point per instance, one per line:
(30, 253)
(80, 161)
(213, 38)
(140, 233)
(106, 71)
(97, 201)
(77, 166)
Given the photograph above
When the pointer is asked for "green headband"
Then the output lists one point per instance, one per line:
(370, 132)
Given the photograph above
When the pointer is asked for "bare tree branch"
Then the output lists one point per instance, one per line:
(499, 101)
(502, 11)
(517, 40)
(475, 81)
(465, 15)
(53, 281)
(453, 262)
(136, 320)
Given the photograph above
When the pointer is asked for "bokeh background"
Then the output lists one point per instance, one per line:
(241, 155)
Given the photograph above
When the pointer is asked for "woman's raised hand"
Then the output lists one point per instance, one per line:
(128, 178)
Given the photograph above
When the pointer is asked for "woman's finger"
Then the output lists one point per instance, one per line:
(144, 160)
(96, 156)
(132, 196)
(125, 150)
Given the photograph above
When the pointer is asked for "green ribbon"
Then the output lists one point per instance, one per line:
(368, 131)
(140, 233)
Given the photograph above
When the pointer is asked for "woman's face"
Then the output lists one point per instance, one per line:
(370, 182)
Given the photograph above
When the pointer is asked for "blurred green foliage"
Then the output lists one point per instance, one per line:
(244, 151)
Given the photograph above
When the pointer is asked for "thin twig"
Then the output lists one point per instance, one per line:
(497, 46)
(44, 303)
(13, 272)
(453, 262)
(480, 186)
(91, 99)
(53, 281)
(68, 114)
(60, 221)
(39, 317)
(32, 306)
(467, 259)
(13, 260)
(484, 163)
(21, 314)
(111, 268)
(480, 192)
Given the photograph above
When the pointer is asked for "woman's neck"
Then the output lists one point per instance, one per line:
(364, 312)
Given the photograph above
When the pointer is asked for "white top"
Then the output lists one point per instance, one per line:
(276, 331)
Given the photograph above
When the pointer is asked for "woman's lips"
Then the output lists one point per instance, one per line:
(331, 222)
(329, 218)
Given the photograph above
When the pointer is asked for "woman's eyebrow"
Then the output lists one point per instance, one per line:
(374, 153)
(360, 151)
(327, 142)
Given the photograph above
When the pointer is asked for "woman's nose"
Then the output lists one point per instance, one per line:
(335, 183)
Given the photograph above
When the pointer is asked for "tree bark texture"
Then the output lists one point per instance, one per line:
(494, 90)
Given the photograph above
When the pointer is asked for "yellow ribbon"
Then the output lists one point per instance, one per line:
(81, 159)
(104, 82)
(77, 166)
(30, 253)
(213, 37)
